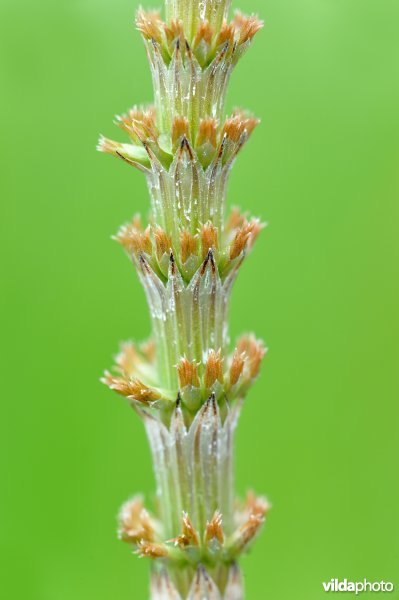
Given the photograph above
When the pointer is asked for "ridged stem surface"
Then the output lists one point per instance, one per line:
(185, 383)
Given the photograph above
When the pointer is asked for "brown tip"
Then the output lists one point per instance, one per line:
(209, 239)
(140, 124)
(109, 146)
(135, 523)
(131, 388)
(207, 132)
(239, 124)
(235, 220)
(249, 530)
(179, 129)
(152, 550)
(226, 34)
(188, 245)
(163, 241)
(150, 25)
(174, 31)
(213, 369)
(188, 373)
(237, 366)
(204, 33)
(214, 529)
(254, 351)
(246, 27)
(256, 505)
(245, 236)
(189, 536)
(252, 518)
(189, 531)
(134, 239)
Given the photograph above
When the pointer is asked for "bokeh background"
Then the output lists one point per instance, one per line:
(319, 433)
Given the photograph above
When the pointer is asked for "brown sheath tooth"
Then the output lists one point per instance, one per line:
(247, 532)
(134, 240)
(188, 530)
(254, 351)
(179, 129)
(209, 238)
(142, 123)
(205, 33)
(135, 523)
(188, 373)
(213, 369)
(207, 131)
(131, 388)
(240, 240)
(188, 245)
(214, 529)
(226, 33)
(162, 240)
(237, 125)
(237, 366)
(152, 550)
(148, 24)
(189, 536)
(248, 27)
(235, 220)
(256, 505)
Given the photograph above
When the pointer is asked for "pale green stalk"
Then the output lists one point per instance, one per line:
(184, 384)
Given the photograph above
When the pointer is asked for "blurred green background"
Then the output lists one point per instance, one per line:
(319, 433)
